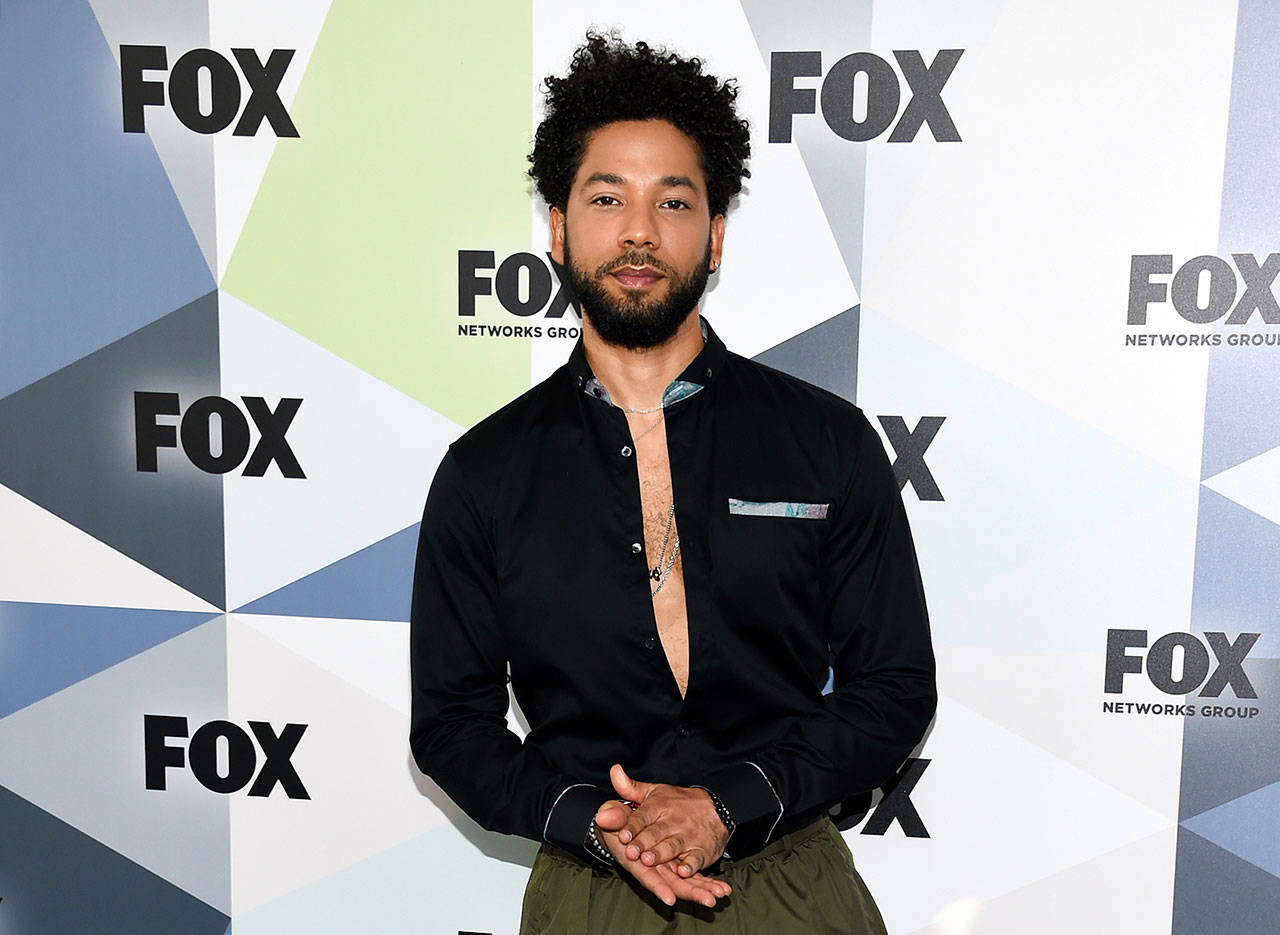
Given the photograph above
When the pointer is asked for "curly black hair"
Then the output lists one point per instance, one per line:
(608, 81)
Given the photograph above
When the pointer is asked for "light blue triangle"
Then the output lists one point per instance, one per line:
(93, 241)
(1248, 827)
(50, 646)
(372, 584)
(432, 877)
(1020, 478)
(1237, 572)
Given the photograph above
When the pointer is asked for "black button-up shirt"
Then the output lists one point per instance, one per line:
(796, 557)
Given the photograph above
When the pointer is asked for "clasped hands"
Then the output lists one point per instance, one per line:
(671, 835)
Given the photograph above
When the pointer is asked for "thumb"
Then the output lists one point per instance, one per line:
(625, 786)
(612, 816)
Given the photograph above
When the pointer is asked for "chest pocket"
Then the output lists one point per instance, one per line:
(770, 550)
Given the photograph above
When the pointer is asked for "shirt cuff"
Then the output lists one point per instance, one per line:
(571, 816)
(753, 803)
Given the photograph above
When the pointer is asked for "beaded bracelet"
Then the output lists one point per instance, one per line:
(721, 809)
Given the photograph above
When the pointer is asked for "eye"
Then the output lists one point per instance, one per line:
(676, 203)
(605, 200)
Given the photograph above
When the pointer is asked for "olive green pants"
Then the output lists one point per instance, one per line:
(803, 883)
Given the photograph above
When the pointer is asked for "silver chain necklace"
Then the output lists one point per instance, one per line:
(649, 429)
(656, 572)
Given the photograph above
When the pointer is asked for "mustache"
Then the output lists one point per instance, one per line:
(635, 258)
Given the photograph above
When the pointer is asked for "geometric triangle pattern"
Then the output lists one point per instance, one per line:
(1231, 764)
(1237, 586)
(371, 584)
(107, 775)
(238, 252)
(1254, 483)
(51, 646)
(104, 450)
(98, 890)
(838, 171)
(1234, 827)
(90, 220)
(344, 428)
(1234, 897)
(826, 355)
(1227, 757)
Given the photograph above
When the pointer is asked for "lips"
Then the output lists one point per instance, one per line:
(636, 277)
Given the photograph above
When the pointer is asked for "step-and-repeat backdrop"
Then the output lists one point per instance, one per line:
(261, 263)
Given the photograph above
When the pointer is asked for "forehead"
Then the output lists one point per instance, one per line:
(641, 151)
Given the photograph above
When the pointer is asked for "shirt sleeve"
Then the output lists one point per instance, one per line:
(458, 661)
(884, 693)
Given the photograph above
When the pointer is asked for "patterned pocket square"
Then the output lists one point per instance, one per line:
(786, 508)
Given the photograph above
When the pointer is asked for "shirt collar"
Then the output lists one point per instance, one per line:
(700, 373)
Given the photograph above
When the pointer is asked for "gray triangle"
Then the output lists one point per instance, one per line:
(60, 881)
(826, 355)
(85, 762)
(1216, 891)
(1223, 759)
(837, 167)
(77, 456)
(187, 156)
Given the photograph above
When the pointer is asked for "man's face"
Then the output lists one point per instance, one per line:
(641, 232)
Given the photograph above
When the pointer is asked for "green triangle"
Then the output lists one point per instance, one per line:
(414, 120)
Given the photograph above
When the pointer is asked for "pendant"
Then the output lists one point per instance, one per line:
(655, 574)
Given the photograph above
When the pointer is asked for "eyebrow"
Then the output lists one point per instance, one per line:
(668, 181)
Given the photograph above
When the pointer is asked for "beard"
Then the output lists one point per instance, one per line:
(632, 322)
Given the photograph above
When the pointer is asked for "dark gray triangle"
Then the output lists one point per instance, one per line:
(70, 447)
(826, 355)
(1225, 758)
(55, 880)
(1214, 891)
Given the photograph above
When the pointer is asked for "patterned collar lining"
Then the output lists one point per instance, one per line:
(676, 390)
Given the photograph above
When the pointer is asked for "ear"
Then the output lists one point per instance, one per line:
(557, 235)
(717, 239)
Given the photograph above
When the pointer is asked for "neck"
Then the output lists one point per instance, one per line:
(638, 378)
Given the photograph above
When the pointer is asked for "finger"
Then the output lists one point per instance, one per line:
(637, 821)
(689, 863)
(698, 889)
(647, 837)
(666, 849)
(651, 833)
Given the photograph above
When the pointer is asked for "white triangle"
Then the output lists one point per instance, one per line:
(46, 560)
(368, 452)
(1128, 890)
(1001, 813)
(1013, 247)
(187, 156)
(240, 161)
(353, 760)
(1254, 484)
(782, 272)
(79, 754)
(372, 656)
(1060, 709)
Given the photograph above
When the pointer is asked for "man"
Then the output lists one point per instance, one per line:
(667, 545)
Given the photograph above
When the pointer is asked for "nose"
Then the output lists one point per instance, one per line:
(639, 229)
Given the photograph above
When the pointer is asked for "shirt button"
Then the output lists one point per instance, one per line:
(682, 731)
(708, 373)
(651, 642)
(626, 451)
(636, 548)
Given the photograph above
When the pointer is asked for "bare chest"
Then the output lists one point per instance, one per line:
(662, 552)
